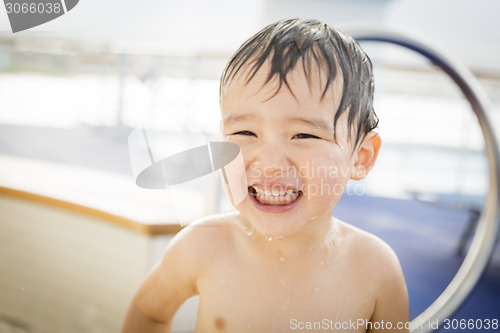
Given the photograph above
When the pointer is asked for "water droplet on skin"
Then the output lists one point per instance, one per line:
(269, 238)
(250, 231)
(314, 217)
(282, 259)
(280, 237)
(333, 237)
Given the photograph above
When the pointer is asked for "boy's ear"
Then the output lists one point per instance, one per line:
(366, 155)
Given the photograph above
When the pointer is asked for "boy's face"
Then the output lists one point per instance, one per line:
(296, 169)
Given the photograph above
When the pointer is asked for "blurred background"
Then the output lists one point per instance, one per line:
(73, 89)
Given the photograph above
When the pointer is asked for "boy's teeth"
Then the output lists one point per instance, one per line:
(273, 191)
(278, 197)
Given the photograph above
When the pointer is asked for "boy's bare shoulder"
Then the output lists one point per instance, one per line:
(375, 255)
(381, 273)
(201, 238)
(219, 226)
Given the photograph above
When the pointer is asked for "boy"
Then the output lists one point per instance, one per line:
(297, 99)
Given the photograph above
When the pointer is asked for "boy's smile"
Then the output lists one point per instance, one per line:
(274, 197)
(296, 167)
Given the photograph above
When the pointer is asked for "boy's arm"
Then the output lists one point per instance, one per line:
(391, 312)
(168, 285)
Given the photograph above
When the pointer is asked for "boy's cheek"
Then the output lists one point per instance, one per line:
(326, 183)
(325, 192)
(234, 180)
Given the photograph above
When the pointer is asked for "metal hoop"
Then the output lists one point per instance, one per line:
(484, 239)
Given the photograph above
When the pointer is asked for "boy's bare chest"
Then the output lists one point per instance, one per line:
(245, 296)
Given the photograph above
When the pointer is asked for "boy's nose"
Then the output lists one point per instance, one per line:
(271, 160)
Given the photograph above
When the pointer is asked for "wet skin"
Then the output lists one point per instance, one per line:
(315, 267)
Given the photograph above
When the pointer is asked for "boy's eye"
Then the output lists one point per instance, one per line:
(304, 136)
(244, 133)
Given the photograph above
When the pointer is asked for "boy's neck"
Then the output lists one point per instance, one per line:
(321, 234)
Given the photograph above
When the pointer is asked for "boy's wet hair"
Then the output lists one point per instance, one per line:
(308, 42)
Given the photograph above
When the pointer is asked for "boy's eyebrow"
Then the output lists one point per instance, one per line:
(310, 122)
(313, 122)
(238, 117)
